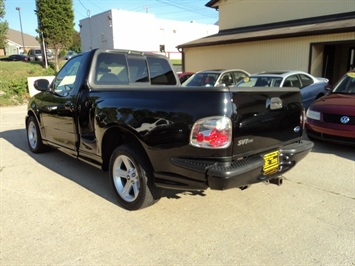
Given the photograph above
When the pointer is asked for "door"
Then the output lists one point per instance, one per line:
(328, 62)
(58, 108)
(351, 59)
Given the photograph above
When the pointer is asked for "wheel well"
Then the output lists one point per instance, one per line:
(113, 138)
(29, 114)
(319, 95)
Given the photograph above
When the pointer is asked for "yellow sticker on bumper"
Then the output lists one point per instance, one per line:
(271, 163)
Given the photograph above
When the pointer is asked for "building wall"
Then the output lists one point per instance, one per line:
(12, 48)
(120, 29)
(96, 32)
(129, 33)
(237, 13)
(279, 54)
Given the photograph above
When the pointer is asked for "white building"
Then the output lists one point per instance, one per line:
(119, 29)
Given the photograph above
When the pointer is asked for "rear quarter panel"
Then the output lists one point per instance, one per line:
(161, 119)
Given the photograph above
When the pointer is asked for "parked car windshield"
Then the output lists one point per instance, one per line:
(346, 85)
(262, 81)
(202, 79)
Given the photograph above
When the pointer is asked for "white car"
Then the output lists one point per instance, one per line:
(218, 77)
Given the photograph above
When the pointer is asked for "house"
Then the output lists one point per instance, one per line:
(15, 42)
(120, 29)
(316, 36)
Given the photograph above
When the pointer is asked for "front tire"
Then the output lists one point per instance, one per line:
(131, 177)
(34, 138)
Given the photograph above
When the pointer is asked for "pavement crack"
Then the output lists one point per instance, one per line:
(320, 189)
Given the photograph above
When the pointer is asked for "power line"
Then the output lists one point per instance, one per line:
(183, 10)
(184, 7)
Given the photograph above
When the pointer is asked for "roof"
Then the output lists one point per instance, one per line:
(15, 37)
(278, 73)
(212, 4)
(218, 70)
(336, 23)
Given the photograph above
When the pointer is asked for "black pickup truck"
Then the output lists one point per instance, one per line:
(126, 113)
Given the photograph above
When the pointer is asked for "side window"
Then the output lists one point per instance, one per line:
(226, 79)
(138, 71)
(306, 80)
(292, 81)
(276, 82)
(239, 75)
(64, 81)
(160, 71)
(111, 69)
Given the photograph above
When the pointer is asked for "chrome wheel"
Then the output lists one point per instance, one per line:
(32, 135)
(126, 178)
(132, 178)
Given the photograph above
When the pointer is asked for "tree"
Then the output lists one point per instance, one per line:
(55, 25)
(4, 26)
(76, 46)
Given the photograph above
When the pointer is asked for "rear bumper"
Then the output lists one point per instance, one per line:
(250, 170)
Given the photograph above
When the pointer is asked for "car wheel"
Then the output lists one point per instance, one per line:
(132, 178)
(34, 138)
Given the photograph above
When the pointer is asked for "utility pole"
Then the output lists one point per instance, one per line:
(23, 41)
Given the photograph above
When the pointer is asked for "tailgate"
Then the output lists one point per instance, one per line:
(265, 118)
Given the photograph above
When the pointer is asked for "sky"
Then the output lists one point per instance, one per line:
(182, 10)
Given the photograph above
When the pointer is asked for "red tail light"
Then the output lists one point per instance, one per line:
(212, 133)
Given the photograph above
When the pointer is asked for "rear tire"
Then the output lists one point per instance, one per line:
(131, 176)
(34, 138)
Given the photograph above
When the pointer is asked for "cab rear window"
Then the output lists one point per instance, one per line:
(124, 69)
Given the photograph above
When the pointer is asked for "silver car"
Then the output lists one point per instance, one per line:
(311, 87)
(35, 54)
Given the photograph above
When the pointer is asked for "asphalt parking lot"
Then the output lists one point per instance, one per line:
(56, 210)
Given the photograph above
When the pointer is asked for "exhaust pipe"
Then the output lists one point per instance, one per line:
(276, 181)
(244, 187)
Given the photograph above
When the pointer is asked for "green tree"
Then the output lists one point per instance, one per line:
(4, 26)
(56, 25)
(76, 46)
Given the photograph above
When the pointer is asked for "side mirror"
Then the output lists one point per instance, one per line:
(41, 84)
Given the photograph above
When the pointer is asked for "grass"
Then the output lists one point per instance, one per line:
(175, 61)
(13, 80)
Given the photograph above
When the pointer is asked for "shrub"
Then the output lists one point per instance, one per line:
(13, 82)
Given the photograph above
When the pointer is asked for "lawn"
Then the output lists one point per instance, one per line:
(13, 80)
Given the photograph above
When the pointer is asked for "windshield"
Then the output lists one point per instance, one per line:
(206, 79)
(260, 81)
(346, 85)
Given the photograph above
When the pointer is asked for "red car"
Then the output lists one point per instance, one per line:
(332, 117)
(184, 76)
